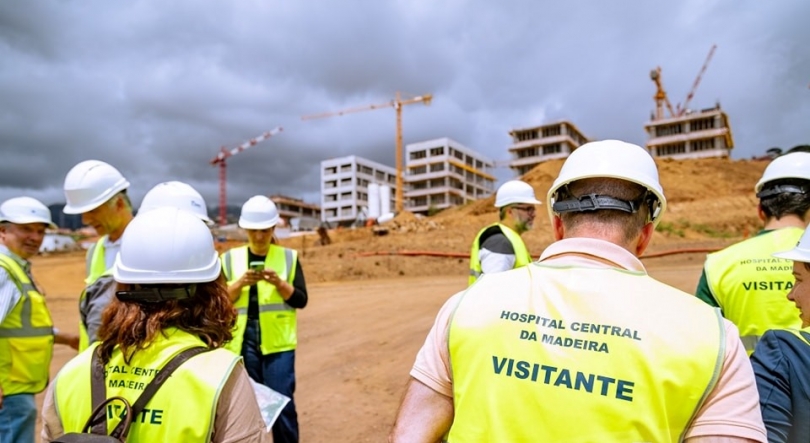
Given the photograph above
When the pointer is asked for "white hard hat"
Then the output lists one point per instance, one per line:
(513, 192)
(24, 210)
(610, 159)
(90, 184)
(177, 195)
(166, 245)
(801, 252)
(259, 212)
(793, 165)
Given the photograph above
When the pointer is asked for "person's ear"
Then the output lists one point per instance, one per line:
(558, 228)
(761, 213)
(644, 239)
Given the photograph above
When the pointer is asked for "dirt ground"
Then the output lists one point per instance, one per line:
(357, 338)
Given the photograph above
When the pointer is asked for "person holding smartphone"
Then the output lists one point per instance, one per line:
(266, 284)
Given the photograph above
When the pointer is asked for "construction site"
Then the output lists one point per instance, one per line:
(375, 287)
(373, 298)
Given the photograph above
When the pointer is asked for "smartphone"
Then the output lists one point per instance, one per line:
(257, 266)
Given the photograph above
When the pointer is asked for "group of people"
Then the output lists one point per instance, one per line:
(583, 345)
(155, 290)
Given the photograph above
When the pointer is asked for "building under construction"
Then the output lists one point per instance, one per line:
(345, 186)
(536, 144)
(298, 214)
(442, 173)
(695, 134)
(685, 133)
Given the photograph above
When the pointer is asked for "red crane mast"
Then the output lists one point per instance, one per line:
(220, 160)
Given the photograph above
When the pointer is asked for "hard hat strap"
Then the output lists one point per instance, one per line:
(155, 294)
(773, 191)
(595, 202)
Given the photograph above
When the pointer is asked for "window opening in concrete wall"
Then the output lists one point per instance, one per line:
(416, 155)
(551, 131)
(436, 167)
(554, 148)
(702, 124)
(437, 151)
(703, 145)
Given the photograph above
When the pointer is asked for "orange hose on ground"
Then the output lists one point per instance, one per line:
(408, 253)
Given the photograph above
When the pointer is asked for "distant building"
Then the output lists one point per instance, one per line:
(697, 134)
(344, 187)
(58, 242)
(536, 144)
(67, 221)
(442, 173)
(290, 208)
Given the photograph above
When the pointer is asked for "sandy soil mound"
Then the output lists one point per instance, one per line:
(711, 202)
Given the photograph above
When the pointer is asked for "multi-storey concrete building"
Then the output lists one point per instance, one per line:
(534, 145)
(294, 208)
(697, 134)
(344, 187)
(441, 173)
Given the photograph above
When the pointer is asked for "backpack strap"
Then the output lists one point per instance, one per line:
(151, 389)
(98, 394)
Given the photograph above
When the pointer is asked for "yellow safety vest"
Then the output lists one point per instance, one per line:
(751, 285)
(96, 266)
(26, 337)
(522, 256)
(577, 354)
(182, 410)
(277, 319)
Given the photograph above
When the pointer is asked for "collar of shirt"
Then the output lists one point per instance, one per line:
(591, 252)
(111, 249)
(25, 264)
(111, 244)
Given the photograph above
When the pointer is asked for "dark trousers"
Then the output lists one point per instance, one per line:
(277, 372)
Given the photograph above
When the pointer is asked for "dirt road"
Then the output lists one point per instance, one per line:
(357, 340)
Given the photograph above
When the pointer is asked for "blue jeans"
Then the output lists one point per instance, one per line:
(18, 419)
(277, 372)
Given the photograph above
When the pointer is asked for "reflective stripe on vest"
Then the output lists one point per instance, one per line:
(751, 285)
(599, 354)
(26, 337)
(522, 256)
(95, 266)
(277, 319)
(182, 410)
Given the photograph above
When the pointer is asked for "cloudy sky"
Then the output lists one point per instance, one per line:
(155, 88)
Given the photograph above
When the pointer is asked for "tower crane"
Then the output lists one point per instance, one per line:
(397, 104)
(220, 160)
(661, 98)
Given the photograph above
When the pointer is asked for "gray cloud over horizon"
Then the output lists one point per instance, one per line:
(155, 88)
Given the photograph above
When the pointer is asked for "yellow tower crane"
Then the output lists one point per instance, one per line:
(397, 104)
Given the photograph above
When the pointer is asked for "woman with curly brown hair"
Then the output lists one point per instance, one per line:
(171, 297)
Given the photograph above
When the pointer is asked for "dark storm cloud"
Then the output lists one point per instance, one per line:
(156, 88)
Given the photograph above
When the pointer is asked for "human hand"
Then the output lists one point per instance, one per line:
(270, 276)
(250, 278)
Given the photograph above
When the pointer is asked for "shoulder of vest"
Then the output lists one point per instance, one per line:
(234, 252)
(733, 249)
(284, 249)
(9, 264)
